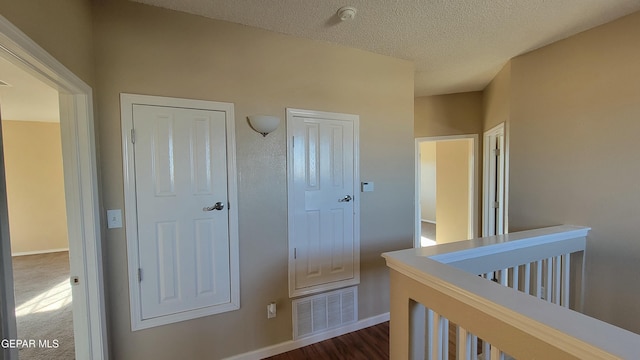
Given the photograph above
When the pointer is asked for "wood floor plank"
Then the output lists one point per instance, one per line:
(371, 343)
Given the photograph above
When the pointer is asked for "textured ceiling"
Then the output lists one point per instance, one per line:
(456, 45)
(26, 98)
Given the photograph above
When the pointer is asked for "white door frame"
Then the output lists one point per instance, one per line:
(489, 180)
(127, 102)
(81, 194)
(473, 190)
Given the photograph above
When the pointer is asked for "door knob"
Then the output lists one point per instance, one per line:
(345, 199)
(217, 206)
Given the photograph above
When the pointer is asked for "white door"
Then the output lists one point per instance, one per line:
(494, 206)
(180, 219)
(180, 174)
(322, 201)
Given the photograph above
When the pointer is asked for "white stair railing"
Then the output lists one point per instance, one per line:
(447, 300)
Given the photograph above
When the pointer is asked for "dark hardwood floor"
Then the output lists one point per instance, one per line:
(371, 343)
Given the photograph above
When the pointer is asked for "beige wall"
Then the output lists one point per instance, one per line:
(574, 125)
(496, 100)
(452, 114)
(452, 177)
(35, 186)
(147, 50)
(428, 181)
(62, 28)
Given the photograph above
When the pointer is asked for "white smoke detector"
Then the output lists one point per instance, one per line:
(347, 13)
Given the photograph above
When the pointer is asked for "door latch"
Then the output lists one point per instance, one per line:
(218, 206)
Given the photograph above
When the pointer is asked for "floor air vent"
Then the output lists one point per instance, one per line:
(316, 314)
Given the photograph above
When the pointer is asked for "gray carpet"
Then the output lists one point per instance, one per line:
(43, 305)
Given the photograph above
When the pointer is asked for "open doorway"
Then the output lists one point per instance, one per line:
(81, 197)
(38, 231)
(446, 187)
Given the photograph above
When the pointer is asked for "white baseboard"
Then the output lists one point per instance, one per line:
(428, 221)
(296, 344)
(39, 252)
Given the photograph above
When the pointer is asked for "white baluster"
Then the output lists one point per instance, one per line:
(527, 278)
(436, 348)
(504, 277)
(445, 338)
(430, 334)
(538, 279)
(557, 272)
(549, 284)
(474, 347)
(566, 279)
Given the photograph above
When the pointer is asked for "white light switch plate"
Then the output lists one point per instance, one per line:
(366, 186)
(114, 219)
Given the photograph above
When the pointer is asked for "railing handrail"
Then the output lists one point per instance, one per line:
(577, 334)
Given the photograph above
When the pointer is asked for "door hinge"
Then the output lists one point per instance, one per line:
(133, 136)
(496, 204)
(293, 141)
(139, 275)
(295, 253)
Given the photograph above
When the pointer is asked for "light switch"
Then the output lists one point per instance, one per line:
(366, 186)
(114, 219)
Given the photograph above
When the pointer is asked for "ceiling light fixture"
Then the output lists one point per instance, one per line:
(346, 13)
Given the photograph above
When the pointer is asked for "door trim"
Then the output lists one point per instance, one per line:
(488, 178)
(473, 190)
(131, 227)
(81, 191)
(291, 113)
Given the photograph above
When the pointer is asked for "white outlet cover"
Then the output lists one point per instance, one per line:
(114, 219)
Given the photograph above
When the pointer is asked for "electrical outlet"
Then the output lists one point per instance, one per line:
(271, 310)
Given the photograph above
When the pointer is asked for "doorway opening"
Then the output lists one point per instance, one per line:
(37, 213)
(81, 198)
(446, 188)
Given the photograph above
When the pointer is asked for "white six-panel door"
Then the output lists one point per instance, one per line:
(182, 219)
(323, 199)
(184, 249)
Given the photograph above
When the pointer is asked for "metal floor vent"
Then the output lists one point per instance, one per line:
(316, 314)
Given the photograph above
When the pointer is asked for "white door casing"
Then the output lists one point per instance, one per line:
(181, 209)
(81, 193)
(323, 203)
(473, 183)
(494, 207)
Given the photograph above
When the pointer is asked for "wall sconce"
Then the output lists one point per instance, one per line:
(264, 124)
